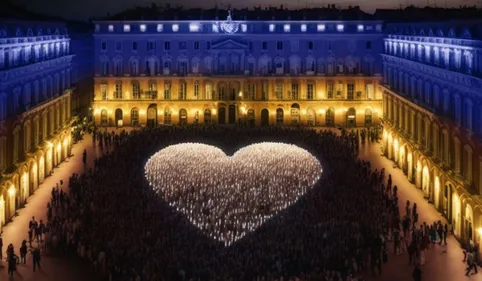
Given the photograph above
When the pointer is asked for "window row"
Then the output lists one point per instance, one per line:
(236, 64)
(234, 91)
(458, 59)
(19, 56)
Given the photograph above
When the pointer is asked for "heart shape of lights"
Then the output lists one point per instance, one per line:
(228, 197)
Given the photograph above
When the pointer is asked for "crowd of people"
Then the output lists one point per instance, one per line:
(114, 218)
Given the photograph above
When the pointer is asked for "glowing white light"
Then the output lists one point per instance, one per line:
(340, 27)
(175, 27)
(360, 28)
(244, 27)
(287, 28)
(127, 28)
(142, 27)
(228, 197)
(194, 27)
(111, 28)
(160, 28)
(271, 28)
(303, 28)
(320, 27)
(215, 28)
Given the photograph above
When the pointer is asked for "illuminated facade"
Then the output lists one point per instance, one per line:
(35, 69)
(433, 116)
(323, 73)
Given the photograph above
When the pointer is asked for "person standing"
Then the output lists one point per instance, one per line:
(36, 258)
(84, 156)
(23, 252)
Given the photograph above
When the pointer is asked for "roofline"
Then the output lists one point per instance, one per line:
(240, 21)
(27, 22)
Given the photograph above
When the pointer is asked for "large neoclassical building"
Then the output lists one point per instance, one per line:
(432, 94)
(35, 121)
(312, 73)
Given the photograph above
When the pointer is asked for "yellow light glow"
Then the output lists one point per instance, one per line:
(303, 111)
(66, 142)
(214, 111)
(59, 147)
(96, 111)
(50, 144)
(161, 112)
(240, 94)
(479, 230)
(11, 191)
(142, 111)
(321, 111)
(110, 112)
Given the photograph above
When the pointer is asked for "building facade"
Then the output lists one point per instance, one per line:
(433, 115)
(312, 73)
(35, 119)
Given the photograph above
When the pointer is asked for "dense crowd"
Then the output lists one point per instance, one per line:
(113, 217)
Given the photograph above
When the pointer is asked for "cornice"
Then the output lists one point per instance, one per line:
(9, 76)
(468, 83)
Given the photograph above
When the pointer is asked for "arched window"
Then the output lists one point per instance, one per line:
(167, 116)
(209, 91)
(368, 117)
(351, 118)
(103, 118)
(135, 117)
(330, 117)
(134, 67)
(207, 116)
(279, 116)
(183, 116)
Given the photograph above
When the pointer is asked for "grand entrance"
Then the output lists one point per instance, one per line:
(264, 117)
(119, 117)
(232, 114)
(222, 115)
(251, 118)
(152, 116)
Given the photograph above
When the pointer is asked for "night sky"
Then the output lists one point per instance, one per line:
(82, 9)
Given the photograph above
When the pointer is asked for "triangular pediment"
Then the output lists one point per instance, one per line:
(228, 44)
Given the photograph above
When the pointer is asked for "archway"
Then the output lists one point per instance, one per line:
(264, 117)
(456, 214)
(351, 118)
(11, 202)
(330, 117)
(311, 117)
(134, 117)
(396, 152)
(279, 117)
(3, 210)
(24, 187)
(402, 158)
(207, 116)
(447, 202)
(232, 114)
(183, 116)
(437, 191)
(295, 114)
(410, 166)
(468, 223)
(48, 161)
(167, 116)
(152, 116)
(104, 120)
(426, 182)
(251, 118)
(41, 169)
(222, 115)
(119, 121)
(33, 177)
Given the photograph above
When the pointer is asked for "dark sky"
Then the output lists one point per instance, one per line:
(82, 9)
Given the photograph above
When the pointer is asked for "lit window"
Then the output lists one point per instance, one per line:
(244, 28)
(303, 28)
(142, 27)
(127, 28)
(215, 28)
(361, 28)
(111, 28)
(160, 28)
(321, 27)
(271, 28)
(194, 27)
(175, 27)
(340, 27)
(287, 28)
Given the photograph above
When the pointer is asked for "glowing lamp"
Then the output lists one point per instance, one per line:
(11, 191)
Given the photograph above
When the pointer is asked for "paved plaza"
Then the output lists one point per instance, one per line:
(443, 263)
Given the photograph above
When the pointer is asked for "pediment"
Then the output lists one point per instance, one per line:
(229, 44)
